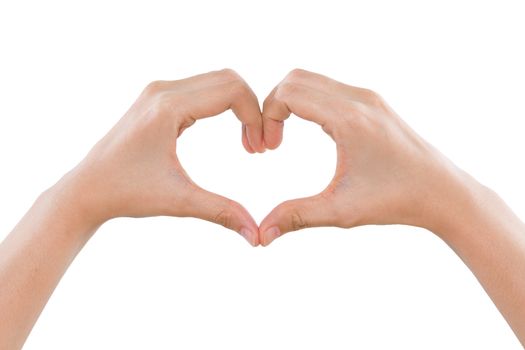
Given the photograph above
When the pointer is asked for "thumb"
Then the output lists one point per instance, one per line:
(212, 207)
(295, 215)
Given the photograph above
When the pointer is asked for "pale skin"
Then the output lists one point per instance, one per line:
(386, 174)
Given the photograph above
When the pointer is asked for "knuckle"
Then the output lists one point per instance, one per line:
(297, 221)
(154, 87)
(162, 106)
(372, 98)
(295, 216)
(239, 89)
(296, 75)
(284, 90)
(228, 74)
(171, 105)
(224, 218)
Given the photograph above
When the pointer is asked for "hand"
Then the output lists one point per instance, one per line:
(134, 170)
(386, 173)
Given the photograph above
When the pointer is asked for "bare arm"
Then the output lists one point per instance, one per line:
(387, 174)
(34, 257)
(490, 239)
(133, 171)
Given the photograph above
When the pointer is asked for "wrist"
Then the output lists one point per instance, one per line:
(69, 200)
(449, 197)
(470, 206)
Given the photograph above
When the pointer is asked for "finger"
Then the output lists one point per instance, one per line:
(195, 82)
(274, 115)
(245, 142)
(295, 215)
(232, 94)
(328, 85)
(212, 207)
(252, 117)
(303, 101)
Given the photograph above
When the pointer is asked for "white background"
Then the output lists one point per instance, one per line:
(454, 70)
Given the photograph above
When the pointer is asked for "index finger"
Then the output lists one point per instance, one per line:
(225, 90)
(303, 101)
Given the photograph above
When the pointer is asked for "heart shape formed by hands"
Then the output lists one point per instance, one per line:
(383, 175)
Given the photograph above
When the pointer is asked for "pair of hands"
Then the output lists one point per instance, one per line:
(385, 172)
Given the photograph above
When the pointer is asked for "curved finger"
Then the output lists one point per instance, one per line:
(328, 85)
(195, 82)
(301, 100)
(295, 215)
(273, 117)
(245, 142)
(233, 93)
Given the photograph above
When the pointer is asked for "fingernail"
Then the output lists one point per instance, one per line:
(248, 235)
(271, 234)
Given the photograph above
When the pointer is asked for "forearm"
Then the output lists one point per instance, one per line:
(34, 257)
(490, 239)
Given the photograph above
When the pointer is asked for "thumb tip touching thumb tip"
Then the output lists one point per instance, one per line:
(269, 235)
(250, 236)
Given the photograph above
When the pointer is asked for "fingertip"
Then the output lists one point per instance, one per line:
(246, 226)
(245, 141)
(259, 149)
(272, 143)
(258, 145)
(269, 235)
(255, 139)
(225, 212)
(273, 133)
(251, 236)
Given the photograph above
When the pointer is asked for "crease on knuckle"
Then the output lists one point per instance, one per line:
(297, 221)
(224, 218)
